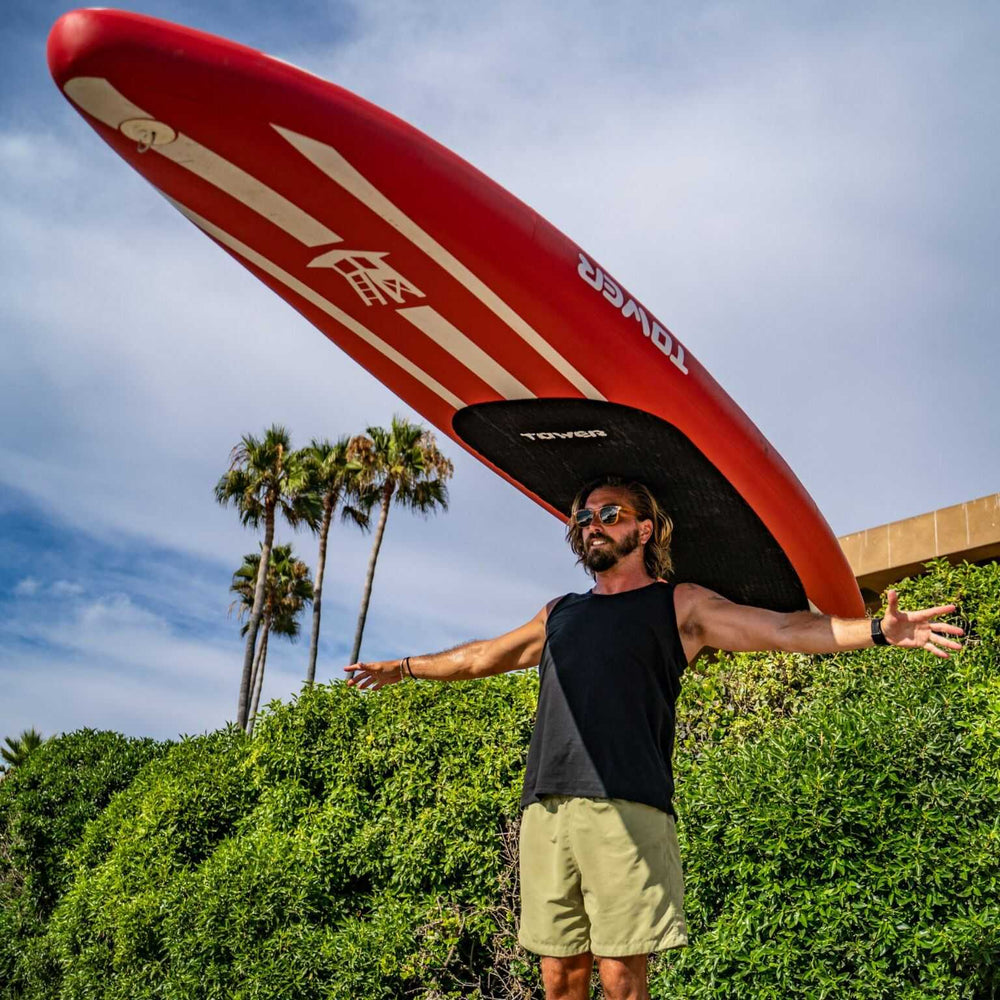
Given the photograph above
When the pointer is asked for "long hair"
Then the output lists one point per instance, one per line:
(656, 552)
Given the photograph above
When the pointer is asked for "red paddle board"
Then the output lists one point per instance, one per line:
(480, 315)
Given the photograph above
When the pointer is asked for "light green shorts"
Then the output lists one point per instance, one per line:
(599, 875)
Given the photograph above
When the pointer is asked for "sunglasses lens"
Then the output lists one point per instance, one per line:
(609, 514)
(584, 517)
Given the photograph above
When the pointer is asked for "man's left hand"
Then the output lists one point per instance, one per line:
(918, 629)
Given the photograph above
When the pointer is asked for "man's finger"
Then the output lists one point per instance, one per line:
(922, 614)
(892, 602)
(925, 614)
(946, 628)
(930, 647)
(942, 641)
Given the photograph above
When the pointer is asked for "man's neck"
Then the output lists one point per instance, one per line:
(627, 574)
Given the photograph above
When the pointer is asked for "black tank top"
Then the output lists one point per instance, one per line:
(610, 675)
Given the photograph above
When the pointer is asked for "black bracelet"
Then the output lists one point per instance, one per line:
(877, 637)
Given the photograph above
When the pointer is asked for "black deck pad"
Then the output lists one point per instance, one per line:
(555, 446)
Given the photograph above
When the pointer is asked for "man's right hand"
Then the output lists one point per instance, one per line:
(373, 675)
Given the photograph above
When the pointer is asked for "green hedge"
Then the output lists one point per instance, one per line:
(838, 816)
(353, 848)
(45, 805)
(855, 850)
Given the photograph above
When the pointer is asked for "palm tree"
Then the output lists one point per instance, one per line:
(401, 465)
(287, 590)
(265, 478)
(18, 748)
(291, 590)
(335, 476)
(245, 584)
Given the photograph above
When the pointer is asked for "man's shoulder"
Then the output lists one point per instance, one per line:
(687, 598)
(686, 592)
(561, 599)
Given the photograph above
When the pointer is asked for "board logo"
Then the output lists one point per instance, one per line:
(561, 435)
(630, 309)
(368, 274)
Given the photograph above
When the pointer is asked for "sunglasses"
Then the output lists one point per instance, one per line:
(608, 514)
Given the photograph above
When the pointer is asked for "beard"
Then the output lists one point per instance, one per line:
(607, 555)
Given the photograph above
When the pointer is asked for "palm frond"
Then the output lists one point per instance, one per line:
(288, 588)
(359, 515)
(18, 748)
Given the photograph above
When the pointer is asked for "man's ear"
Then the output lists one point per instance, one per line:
(645, 534)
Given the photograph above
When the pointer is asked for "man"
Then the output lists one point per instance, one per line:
(600, 872)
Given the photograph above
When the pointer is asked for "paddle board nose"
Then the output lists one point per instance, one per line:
(83, 38)
(70, 36)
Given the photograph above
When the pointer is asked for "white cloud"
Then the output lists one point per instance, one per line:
(35, 160)
(27, 587)
(67, 588)
(114, 664)
(90, 695)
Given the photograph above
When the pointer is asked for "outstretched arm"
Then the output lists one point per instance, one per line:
(708, 619)
(482, 658)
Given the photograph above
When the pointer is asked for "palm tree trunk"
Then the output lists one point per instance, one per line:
(328, 505)
(367, 595)
(259, 679)
(256, 612)
(259, 654)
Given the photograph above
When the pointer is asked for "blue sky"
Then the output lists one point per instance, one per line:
(805, 194)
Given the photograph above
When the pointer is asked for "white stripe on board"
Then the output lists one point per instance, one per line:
(98, 98)
(457, 344)
(317, 300)
(327, 159)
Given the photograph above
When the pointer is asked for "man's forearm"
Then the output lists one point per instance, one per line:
(724, 625)
(514, 650)
(462, 663)
(806, 632)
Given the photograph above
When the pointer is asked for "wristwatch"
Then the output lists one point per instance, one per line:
(877, 637)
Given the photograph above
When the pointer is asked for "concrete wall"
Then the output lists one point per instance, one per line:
(881, 556)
